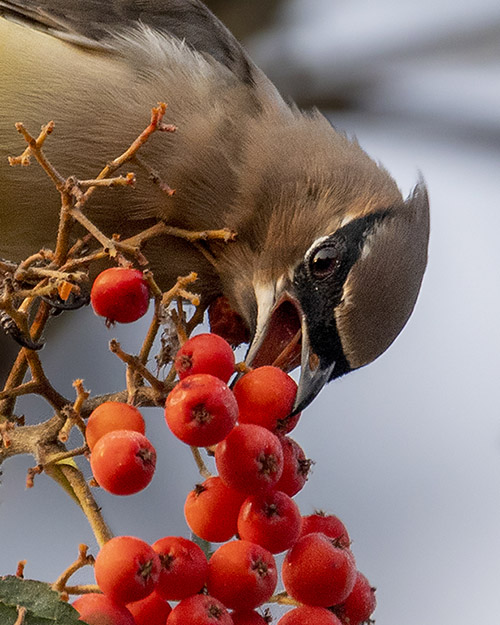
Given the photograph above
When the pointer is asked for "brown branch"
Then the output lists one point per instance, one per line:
(87, 502)
(136, 365)
(83, 560)
(128, 180)
(83, 589)
(21, 614)
(145, 396)
(155, 124)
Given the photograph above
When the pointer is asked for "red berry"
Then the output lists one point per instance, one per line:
(200, 610)
(248, 617)
(127, 569)
(359, 605)
(318, 573)
(296, 467)
(184, 567)
(212, 509)
(97, 609)
(120, 294)
(201, 410)
(123, 462)
(242, 575)
(112, 415)
(250, 459)
(205, 353)
(328, 524)
(308, 615)
(153, 610)
(271, 520)
(265, 397)
(226, 322)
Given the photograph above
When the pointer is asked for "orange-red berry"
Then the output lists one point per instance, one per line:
(123, 462)
(120, 294)
(201, 410)
(112, 415)
(205, 353)
(127, 569)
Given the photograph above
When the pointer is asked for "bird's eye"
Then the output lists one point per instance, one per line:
(325, 262)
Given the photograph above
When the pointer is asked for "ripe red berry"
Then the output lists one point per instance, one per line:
(265, 397)
(120, 294)
(248, 617)
(201, 410)
(242, 575)
(205, 353)
(359, 605)
(212, 509)
(127, 569)
(112, 415)
(152, 610)
(308, 615)
(250, 459)
(200, 609)
(123, 462)
(328, 524)
(296, 467)
(318, 573)
(184, 567)
(97, 609)
(271, 520)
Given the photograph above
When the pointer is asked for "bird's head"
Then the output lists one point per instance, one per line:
(330, 259)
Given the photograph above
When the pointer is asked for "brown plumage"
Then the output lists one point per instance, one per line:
(325, 240)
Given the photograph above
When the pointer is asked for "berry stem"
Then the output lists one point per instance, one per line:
(202, 467)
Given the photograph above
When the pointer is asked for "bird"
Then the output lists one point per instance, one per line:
(329, 256)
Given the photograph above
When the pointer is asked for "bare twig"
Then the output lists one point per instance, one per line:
(202, 467)
(83, 560)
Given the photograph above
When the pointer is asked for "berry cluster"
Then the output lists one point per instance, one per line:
(260, 468)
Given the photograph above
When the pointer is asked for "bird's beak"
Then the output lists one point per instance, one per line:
(281, 339)
(312, 375)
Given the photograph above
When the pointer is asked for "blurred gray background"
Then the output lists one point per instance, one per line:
(407, 450)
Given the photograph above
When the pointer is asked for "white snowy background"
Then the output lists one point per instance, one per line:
(407, 450)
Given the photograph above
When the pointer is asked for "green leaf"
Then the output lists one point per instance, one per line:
(57, 474)
(44, 607)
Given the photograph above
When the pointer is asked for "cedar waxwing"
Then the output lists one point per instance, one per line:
(326, 244)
